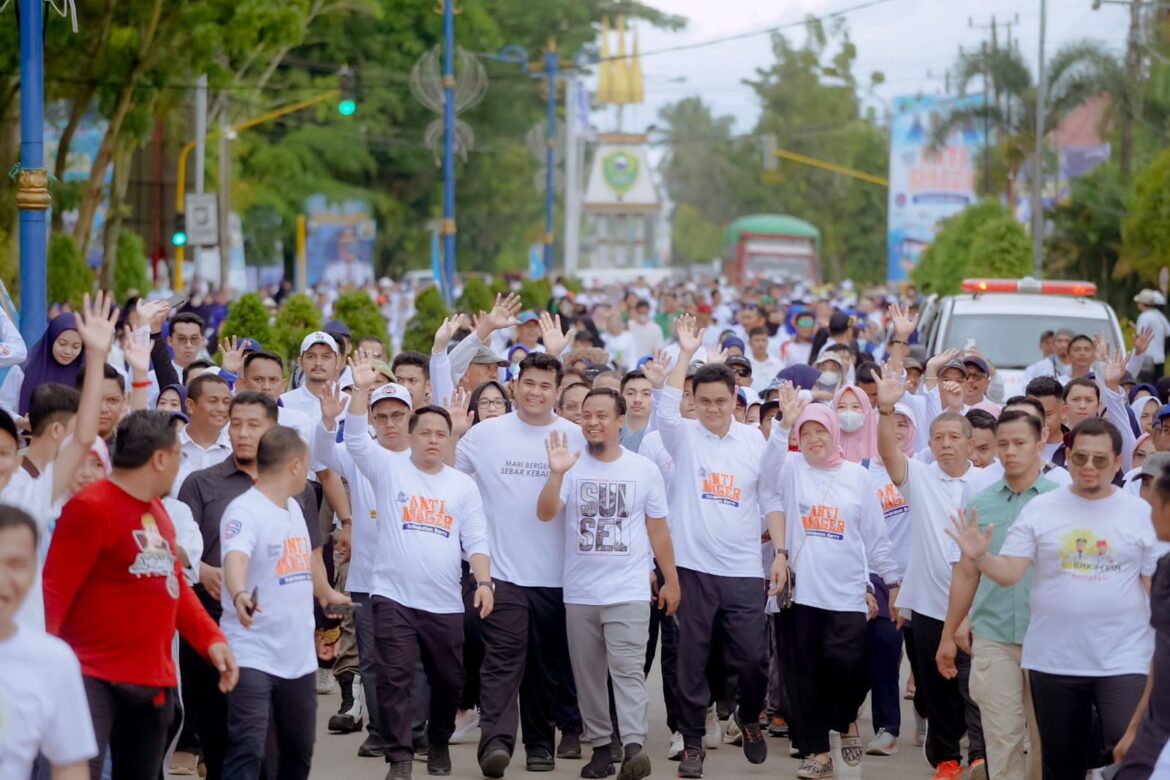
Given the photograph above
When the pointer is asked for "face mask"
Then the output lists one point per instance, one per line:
(851, 422)
(829, 378)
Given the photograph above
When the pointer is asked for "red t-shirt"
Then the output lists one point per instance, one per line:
(114, 590)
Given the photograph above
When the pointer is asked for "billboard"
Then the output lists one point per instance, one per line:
(927, 186)
(339, 247)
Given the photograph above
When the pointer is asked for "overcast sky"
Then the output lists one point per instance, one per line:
(912, 42)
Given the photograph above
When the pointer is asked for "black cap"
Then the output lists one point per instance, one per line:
(739, 360)
(337, 328)
(839, 322)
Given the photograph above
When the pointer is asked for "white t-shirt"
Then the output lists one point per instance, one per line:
(933, 497)
(432, 520)
(714, 500)
(301, 410)
(1090, 613)
(34, 496)
(43, 707)
(622, 348)
(653, 449)
(835, 534)
(607, 548)
(276, 541)
(895, 511)
(508, 459)
(1155, 321)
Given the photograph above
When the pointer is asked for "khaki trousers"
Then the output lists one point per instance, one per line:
(1000, 687)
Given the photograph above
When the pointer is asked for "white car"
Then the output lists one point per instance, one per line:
(1004, 319)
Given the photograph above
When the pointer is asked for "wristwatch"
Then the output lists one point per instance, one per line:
(782, 551)
(486, 584)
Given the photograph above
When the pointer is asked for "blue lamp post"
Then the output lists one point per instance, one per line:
(449, 150)
(32, 195)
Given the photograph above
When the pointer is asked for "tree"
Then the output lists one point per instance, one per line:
(358, 311)
(981, 240)
(69, 278)
(476, 296)
(536, 294)
(1145, 233)
(693, 237)
(429, 313)
(247, 318)
(298, 317)
(130, 267)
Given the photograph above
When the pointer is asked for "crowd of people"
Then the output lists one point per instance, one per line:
(772, 490)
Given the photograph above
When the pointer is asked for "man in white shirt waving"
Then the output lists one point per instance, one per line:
(716, 527)
(433, 515)
(615, 502)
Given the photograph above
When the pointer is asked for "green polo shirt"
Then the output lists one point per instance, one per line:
(1001, 614)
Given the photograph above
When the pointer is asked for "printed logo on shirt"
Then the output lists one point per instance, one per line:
(892, 501)
(1085, 556)
(420, 513)
(719, 488)
(154, 558)
(274, 550)
(823, 521)
(232, 529)
(525, 468)
(295, 562)
(603, 510)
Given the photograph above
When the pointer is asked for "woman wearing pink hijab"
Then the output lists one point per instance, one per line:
(826, 515)
(858, 422)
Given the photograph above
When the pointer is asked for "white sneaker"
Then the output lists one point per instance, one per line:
(676, 746)
(731, 733)
(465, 722)
(325, 682)
(711, 739)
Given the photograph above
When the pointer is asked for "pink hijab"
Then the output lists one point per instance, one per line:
(828, 418)
(862, 443)
(98, 448)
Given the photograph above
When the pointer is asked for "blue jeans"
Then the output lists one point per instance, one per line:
(293, 703)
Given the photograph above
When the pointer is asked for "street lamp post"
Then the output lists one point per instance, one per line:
(449, 149)
(32, 195)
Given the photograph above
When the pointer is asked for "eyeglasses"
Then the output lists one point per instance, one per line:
(1081, 459)
(742, 372)
(976, 377)
(492, 403)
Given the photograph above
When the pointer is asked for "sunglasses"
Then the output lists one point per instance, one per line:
(742, 372)
(1081, 459)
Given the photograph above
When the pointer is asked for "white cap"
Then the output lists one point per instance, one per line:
(1150, 298)
(319, 337)
(391, 391)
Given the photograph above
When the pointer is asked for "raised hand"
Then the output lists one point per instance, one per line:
(503, 313)
(941, 359)
(689, 341)
(1100, 348)
(95, 324)
(889, 389)
(550, 333)
(791, 405)
(459, 407)
(717, 356)
(903, 322)
(232, 349)
(151, 311)
(560, 459)
(1115, 370)
(446, 332)
(1141, 342)
(655, 368)
(966, 532)
(137, 353)
(365, 376)
(332, 402)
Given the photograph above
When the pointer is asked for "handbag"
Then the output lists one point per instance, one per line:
(787, 595)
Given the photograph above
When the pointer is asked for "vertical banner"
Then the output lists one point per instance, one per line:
(927, 185)
(340, 245)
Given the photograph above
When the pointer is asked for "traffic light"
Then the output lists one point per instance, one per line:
(179, 235)
(347, 106)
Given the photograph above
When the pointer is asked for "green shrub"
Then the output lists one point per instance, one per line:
(69, 278)
(130, 272)
(536, 295)
(429, 313)
(298, 317)
(247, 318)
(476, 297)
(358, 311)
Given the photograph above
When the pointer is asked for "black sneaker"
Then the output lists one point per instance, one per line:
(439, 760)
(495, 760)
(636, 764)
(601, 765)
(399, 770)
(349, 715)
(691, 763)
(540, 760)
(570, 746)
(754, 746)
(372, 747)
(422, 747)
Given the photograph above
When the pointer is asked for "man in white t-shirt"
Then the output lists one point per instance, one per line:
(433, 517)
(716, 527)
(933, 491)
(507, 457)
(614, 510)
(270, 577)
(1151, 318)
(1089, 641)
(43, 706)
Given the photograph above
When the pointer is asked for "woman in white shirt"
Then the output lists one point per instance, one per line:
(839, 538)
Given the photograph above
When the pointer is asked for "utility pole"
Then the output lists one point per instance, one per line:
(449, 150)
(223, 203)
(989, 55)
(1133, 65)
(1038, 157)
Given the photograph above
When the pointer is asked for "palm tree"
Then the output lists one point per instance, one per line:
(1077, 72)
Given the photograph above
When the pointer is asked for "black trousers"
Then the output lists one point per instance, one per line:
(131, 723)
(525, 652)
(778, 702)
(737, 605)
(258, 702)
(947, 703)
(1064, 716)
(473, 648)
(829, 673)
(885, 661)
(666, 628)
(205, 707)
(404, 636)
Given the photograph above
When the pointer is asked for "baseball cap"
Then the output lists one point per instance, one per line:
(383, 368)
(338, 330)
(1154, 464)
(978, 362)
(1162, 413)
(830, 354)
(838, 322)
(909, 363)
(250, 345)
(391, 392)
(1150, 298)
(319, 337)
(956, 364)
(739, 361)
(527, 317)
(484, 356)
(733, 341)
